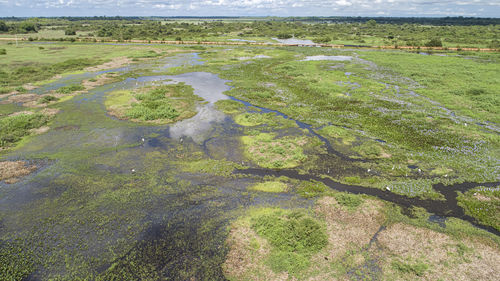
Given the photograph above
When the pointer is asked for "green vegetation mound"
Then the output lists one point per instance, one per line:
(294, 237)
(13, 128)
(270, 186)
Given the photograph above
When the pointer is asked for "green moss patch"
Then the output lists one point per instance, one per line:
(251, 119)
(229, 106)
(269, 152)
(270, 186)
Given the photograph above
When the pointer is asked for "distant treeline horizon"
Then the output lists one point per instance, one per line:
(331, 19)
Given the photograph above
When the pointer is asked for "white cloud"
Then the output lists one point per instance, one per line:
(250, 7)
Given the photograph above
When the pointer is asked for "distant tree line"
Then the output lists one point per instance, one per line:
(354, 30)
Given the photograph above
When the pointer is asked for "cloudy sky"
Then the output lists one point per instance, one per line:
(479, 8)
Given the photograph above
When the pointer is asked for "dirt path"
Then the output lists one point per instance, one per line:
(272, 44)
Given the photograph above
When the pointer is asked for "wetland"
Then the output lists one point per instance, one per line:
(158, 162)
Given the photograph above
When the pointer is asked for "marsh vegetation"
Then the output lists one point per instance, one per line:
(189, 162)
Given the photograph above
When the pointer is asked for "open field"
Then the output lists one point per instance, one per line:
(204, 162)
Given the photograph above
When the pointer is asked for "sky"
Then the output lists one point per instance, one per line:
(425, 8)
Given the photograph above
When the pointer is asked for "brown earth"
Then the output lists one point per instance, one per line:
(12, 171)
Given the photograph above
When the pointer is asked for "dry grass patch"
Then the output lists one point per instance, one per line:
(348, 229)
(114, 63)
(12, 171)
(445, 258)
(247, 251)
(100, 80)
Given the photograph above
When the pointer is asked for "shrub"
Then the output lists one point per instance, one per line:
(47, 99)
(3, 52)
(434, 42)
(351, 201)
(153, 105)
(70, 89)
(13, 128)
(294, 232)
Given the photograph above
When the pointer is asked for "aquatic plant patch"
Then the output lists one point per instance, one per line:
(270, 152)
(482, 203)
(157, 104)
(270, 186)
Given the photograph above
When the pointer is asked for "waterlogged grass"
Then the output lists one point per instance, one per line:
(209, 166)
(467, 86)
(482, 203)
(253, 119)
(270, 186)
(14, 128)
(344, 135)
(270, 152)
(371, 112)
(229, 106)
(159, 104)
(310, 189)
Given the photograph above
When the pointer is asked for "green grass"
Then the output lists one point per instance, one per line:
(270, 152)
(253, 119)
(270, 186)
(348, 200)
(70, 89)
(13, 128)
(485, 207)
(294, 236)
(164, 104)
(417, 269)
(47, 99)
(343, 134)
(229, 106)
(311, 189)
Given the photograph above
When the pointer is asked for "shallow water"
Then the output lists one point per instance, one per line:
(295, 41)
(329, 58)
(157, 214)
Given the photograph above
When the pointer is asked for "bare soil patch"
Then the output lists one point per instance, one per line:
(12, 171)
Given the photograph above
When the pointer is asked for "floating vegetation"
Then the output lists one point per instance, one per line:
(270, 186)
(157, 104)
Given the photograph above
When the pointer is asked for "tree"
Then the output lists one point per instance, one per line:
(371, 23)
(3, 26)
(434, 42)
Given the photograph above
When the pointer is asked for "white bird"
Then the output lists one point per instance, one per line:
(465, 124)
(419, 170)
(388, 188)
(143, 139)
(369, 170)
(133, 170)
